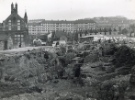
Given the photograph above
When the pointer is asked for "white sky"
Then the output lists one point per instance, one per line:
(69, 9)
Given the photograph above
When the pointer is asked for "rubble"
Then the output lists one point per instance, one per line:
(87, 74)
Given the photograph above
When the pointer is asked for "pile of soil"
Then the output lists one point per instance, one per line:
(71, 76)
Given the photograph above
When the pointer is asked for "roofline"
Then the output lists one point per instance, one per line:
(60, 21)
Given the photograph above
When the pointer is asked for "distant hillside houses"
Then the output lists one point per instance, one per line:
(103, 36)
(117, 22)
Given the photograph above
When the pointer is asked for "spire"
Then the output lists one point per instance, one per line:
(25, 17)
(16, 8)
(12, 7)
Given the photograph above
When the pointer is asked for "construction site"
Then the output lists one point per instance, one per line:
(95, 71)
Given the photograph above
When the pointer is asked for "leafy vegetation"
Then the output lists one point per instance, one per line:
(124, 57)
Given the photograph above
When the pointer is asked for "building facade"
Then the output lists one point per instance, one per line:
(14, 29)
(42, 26)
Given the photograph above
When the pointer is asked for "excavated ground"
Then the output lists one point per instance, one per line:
(28, 76)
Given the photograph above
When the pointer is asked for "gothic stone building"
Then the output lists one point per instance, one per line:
(14, 30)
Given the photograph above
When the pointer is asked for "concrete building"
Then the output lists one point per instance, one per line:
(41, 26)
(14, 29)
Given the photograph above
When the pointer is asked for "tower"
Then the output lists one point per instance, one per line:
(14, 9)
(25, 17)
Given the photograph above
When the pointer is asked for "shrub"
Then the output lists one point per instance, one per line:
(91, 58)
(63, 49)
(69, 57)
(71, 50)
(124, 56)
(109, 49)
(109, 88)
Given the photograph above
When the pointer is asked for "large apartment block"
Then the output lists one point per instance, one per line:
(41, 26)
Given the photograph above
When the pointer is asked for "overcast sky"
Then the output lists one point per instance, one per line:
(69, 9)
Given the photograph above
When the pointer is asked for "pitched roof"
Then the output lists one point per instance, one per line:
(84, 21)
(11, 16)
(57, 21)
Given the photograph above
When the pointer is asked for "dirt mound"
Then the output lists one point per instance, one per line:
(91, 58)
(24, 69)
(81, 75)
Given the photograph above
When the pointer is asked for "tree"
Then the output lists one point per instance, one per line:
(45, 37)
(96, 31)
(132, 27)
(70, 36)
(114, 30)
(105, 31)
(110, 30)
(100, 30)
(124, 31)
(37, 42)
(91, 31)
(53, 35)
(120, 29)
(86, 32)
(124, 57)
(75, 36)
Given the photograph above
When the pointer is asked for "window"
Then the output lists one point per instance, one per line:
(19, 38)
(9, 25)
(18, 27)
(18, 24)
(18, 21)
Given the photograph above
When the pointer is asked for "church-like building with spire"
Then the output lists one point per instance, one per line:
(14, 30)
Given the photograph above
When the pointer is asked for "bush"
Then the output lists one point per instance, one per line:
(1, 73)
(91, 58)
(69, 57)
(109, 49)
(109, 88)
(71, 50)
(124, 56)
(63, 49)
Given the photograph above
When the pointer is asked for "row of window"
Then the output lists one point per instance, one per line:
(55, 24)
(18, 21)
(63, 25)
(19, 38)
(48, 30)
(10, 28)
(51, 29)
(39, 27)
(10, 25)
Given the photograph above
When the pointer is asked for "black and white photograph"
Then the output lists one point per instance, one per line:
(67, 49)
